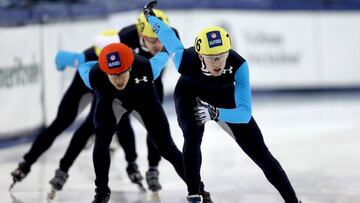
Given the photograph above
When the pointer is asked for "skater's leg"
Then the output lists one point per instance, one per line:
(126, 138)
(105, 122)
(77, 143)
(153, 153)
(154, 157)
(157, 126)
(79, 140)
(250, 139)
(67, 113)
(152, 175)
(192, 154)
(184, 103)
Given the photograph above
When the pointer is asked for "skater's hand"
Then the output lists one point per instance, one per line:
(67, 58)
(60, 66)
(148, 9)
(205, 112)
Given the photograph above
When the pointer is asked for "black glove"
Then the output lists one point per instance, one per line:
(148, 9)
(205, 112)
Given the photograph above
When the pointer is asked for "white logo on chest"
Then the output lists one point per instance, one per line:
(144, 79)
(136, 50)
(228, 70)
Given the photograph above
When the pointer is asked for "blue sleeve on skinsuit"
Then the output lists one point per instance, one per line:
(158, 62)
(168, 38)
(84, 71)
(242, 113)
(67, 58)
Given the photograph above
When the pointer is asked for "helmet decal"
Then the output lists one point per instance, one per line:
(214, 39)
(113, 60)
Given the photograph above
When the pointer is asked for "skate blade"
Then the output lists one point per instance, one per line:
(14, 199)
(141, 188)
(51, 195)
(155, 196)
(11, 186)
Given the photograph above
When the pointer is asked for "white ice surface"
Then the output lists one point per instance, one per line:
(316, 139)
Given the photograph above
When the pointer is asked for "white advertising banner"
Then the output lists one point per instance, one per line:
(20, 80)
(340, 48)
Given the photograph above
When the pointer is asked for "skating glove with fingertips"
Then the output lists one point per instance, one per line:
(67, 58)
(205, 112)
(148, 9)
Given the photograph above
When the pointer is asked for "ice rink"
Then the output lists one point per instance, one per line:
(315, 137)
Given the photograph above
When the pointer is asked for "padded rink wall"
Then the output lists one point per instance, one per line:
(286, 50)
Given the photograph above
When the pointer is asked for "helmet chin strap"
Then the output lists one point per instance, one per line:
(142, 44)
(204, 69)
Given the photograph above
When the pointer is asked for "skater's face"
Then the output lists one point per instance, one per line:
(153, 44)
(215, 64)
(119, 81)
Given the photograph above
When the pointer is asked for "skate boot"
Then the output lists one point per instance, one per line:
(19, 173)
(194, 199)
(206, 197)
(152, 179)
(135, 175)
(101, 197)
(57, 183)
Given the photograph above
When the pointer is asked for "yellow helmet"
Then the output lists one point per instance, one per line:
(212, 41)
(144, 28)
(104, 38)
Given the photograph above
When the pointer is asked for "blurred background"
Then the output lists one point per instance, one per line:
(304, 59)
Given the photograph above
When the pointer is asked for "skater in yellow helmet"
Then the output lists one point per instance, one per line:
(214, 86)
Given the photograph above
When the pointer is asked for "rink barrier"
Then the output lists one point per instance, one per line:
(20, 137)
(29, 135)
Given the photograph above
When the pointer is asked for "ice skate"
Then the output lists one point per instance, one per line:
(152, 179)
(206, 197)
(194, 199)
(19, 173)
(135, 175)
(101, 197)
(57, 183)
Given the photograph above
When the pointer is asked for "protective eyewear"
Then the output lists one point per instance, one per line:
(152, 40)
(216, 58)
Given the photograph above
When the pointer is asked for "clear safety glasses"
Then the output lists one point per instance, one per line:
(216, 58)
(151, 40)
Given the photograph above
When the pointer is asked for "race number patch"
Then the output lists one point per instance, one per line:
(113, 60)
(214, 39)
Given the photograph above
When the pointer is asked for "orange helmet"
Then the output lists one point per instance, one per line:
(115, 58)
